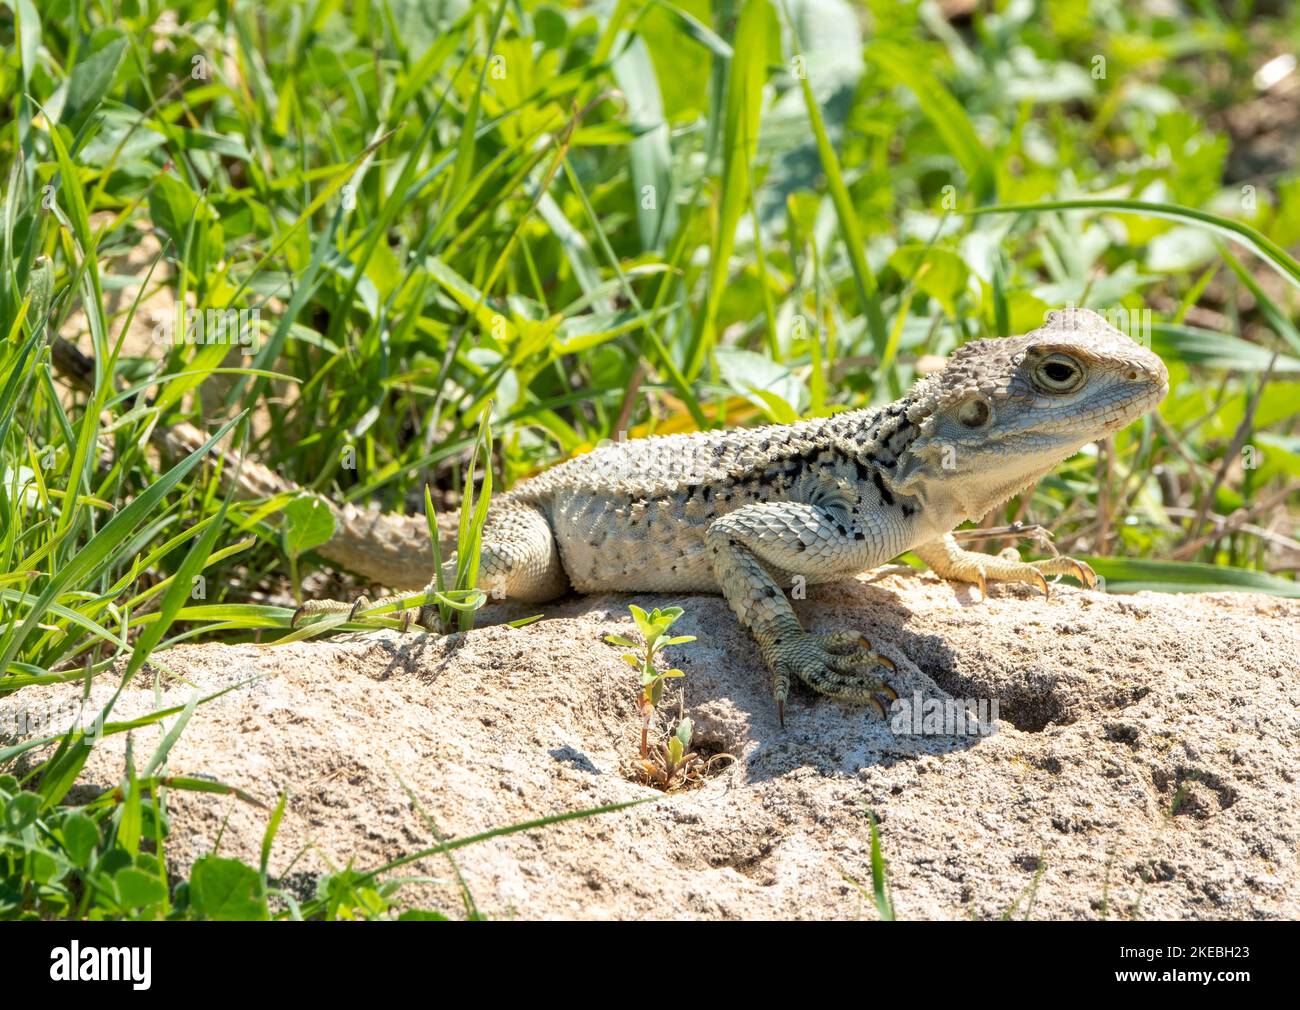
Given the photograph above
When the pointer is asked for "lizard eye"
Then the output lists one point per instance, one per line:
(974, 413)
(1058, 373)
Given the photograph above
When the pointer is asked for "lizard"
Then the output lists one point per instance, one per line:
(747, 512)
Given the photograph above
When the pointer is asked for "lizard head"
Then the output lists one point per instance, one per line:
(1004, 411)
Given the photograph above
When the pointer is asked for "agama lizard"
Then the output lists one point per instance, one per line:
(748, 512)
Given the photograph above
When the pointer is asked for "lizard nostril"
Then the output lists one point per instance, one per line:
(1132, 375)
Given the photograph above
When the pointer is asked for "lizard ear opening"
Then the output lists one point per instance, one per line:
(975, 413)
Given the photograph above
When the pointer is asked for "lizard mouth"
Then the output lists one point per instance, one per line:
(1157, 394)
(1142, 404)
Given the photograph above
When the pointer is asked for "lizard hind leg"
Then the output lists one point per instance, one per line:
(518, 560)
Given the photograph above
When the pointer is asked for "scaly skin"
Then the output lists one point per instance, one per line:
(749, 512)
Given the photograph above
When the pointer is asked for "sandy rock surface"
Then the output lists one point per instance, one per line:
(1143, 763)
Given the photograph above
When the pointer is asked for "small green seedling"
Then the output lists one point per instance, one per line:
(675, 757)
(653, 627)
(669, 763)
(672, 764)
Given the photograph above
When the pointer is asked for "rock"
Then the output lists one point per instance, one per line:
(1142, 763)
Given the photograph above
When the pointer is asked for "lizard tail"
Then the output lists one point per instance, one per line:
(384, 547)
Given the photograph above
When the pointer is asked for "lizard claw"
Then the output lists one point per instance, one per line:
(1086, 575)
(884, 661)
(1061, 565)
(781, 690)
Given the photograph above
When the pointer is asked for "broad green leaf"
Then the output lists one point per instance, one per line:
(940, 273)
(137, 889)
(80, 837)
(308, 523)
(90, 81)
(620, 641)
(227, 890)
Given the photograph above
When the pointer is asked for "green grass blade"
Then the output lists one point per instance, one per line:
(744, 114)
(1133, 575)
(1243, 234)
(855, 247)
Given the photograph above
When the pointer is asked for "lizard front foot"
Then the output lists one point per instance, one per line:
(949, 561)
(982, 569)
(835, 664)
